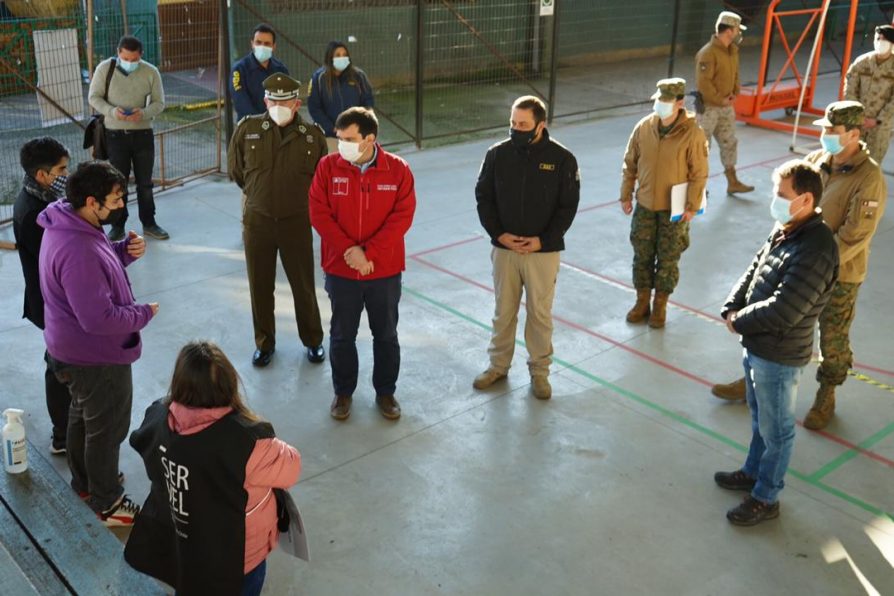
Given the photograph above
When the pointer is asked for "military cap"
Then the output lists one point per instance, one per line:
(670, 89)
(886, 31)
(729, 18)
(281, 87)
(848, 113)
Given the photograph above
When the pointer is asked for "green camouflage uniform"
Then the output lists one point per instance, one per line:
(853, 203)
(658, 244)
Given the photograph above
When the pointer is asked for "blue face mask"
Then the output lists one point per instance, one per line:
(831, 143)
(779, 209)
(262, 53)
(341, 63)
(128, 66)
(663, 109)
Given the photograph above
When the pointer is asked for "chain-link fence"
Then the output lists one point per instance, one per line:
(442, 70)
(49, 49)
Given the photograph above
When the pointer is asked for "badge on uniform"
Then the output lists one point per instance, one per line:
(549, 167)
(252, 136)
(265, 124)
(310, 138)
(302, 128)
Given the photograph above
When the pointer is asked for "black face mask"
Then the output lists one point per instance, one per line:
(522, 138)
(112, 218)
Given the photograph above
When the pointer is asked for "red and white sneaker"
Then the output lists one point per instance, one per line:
(121, 514)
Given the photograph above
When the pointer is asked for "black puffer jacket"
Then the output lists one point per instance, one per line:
(784, 291)
(528, 192)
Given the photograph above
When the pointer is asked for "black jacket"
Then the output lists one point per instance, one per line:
(528, 192)
(784, 291)
(28, 236)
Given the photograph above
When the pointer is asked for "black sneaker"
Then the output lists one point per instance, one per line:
(737, 480)
(316, 354)
(116, 233)
(57, 446)
(156, 231)
(751, 512)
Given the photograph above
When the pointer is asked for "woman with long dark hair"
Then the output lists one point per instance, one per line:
(210, 519)
(335, 87)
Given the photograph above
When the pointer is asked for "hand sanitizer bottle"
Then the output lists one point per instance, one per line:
(15, 450)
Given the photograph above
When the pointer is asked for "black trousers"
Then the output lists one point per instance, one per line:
(380, 298)
(58, 402)
(134, 150)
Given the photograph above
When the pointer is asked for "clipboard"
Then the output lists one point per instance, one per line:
(678, 200)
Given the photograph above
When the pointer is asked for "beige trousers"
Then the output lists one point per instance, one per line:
(536, 273)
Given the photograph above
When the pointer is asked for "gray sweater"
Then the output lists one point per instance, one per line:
(140, 89)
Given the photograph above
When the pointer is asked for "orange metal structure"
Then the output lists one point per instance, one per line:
(752, 102)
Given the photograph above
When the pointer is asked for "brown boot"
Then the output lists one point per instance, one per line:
(659, 310)
(734, 391)
(733, 184)
(640, 311)
(823, 408)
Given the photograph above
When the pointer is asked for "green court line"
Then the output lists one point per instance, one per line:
(815, 482)
(852, 453)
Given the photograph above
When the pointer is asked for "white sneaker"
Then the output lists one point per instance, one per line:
(121, 514)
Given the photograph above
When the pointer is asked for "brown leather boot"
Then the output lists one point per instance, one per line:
(659, 310)
(734, 391)
(823, 408)
(640, 311)
(733, 184)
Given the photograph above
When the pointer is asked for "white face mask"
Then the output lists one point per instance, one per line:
(663, 109)
(280, 114)
(349, 151)
(882, 47)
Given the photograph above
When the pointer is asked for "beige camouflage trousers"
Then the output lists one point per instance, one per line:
(720, 123)
(877, 140)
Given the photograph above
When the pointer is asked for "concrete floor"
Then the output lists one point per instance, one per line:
(606, 489)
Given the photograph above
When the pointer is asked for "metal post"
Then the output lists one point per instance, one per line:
(554, 61)
(124, 17)
(673, 49)
(224, 65)
(90, 48)
(420, 68)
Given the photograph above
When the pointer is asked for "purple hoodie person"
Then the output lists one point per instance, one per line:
(92, 330)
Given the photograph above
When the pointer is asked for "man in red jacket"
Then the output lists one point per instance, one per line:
(362, 202)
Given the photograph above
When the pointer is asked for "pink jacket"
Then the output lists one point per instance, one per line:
(272, 464)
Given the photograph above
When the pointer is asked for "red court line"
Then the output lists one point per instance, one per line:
(704, 314)
(657, 361)
(599, 206)
(445, 247)
(760, 163)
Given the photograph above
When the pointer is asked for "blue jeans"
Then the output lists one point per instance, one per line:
(771, 390)
(254, 580)
(380, 298)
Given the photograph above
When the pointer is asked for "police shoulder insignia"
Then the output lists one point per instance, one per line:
(302, 128)
(237, 80)
(265, 124)
(577, 176)
(703, 66)
(549, 167)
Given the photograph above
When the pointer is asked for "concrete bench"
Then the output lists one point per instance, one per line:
(52, 543)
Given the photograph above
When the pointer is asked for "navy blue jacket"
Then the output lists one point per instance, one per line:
(325, 105)
(247, 84)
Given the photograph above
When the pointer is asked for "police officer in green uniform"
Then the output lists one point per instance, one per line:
(272, 157)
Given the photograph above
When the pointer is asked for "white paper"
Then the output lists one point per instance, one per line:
(678, 200)
(294, 541)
